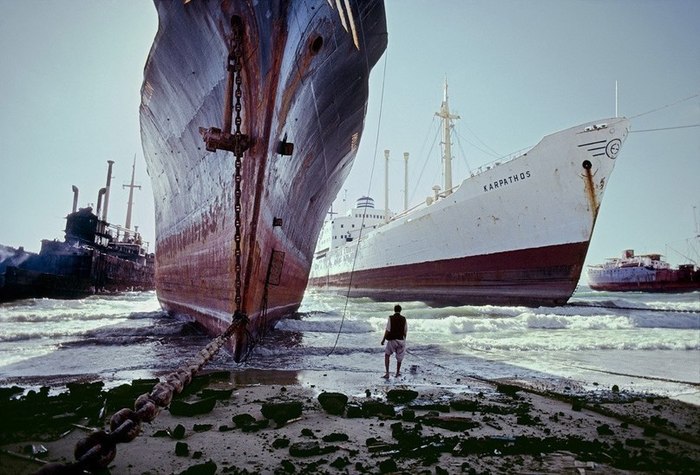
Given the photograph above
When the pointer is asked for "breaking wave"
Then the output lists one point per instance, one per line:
(129, 336)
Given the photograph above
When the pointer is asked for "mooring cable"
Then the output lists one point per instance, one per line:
(666, 106)
(364, 213)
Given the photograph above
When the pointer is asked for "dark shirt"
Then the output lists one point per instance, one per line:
(397, 327)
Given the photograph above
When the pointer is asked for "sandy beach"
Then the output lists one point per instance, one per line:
(255, 421)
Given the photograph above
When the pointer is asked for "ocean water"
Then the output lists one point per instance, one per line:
(640, 342)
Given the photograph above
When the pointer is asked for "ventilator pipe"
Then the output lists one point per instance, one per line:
(75, 198)
(99, 200)
(109, 181)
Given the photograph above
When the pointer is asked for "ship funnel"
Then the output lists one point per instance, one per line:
(109, 181)
(99, 201)
(365, 202)
(405, 181)
(75, 198)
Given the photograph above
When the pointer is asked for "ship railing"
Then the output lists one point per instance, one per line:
(129, 236)
(481, 169)
(423, 204)
(408, 211)
(500, 161)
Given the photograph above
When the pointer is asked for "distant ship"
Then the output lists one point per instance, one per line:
(94, 257)
(515, 233)
(251, 115)
(643, 273)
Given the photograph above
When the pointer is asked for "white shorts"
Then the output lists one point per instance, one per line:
(395, 346)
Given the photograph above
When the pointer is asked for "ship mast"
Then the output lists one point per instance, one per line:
(447, 119)
(405, 181)
(130, 204)
(386, 186)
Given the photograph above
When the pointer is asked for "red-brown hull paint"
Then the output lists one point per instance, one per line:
(667, 281)
(545, 276)
(652, 287)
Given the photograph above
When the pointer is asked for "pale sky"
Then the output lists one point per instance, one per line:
(69, 101)
(517, 70)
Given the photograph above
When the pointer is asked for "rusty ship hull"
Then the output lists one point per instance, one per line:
(304, 71)
(643, 273)
(76, 267)
(95, 256)
(669, 282)
(61, 271)
(516, 233)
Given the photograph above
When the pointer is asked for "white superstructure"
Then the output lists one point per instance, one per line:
(341, 230)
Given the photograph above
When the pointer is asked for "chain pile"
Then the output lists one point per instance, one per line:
(97, 451)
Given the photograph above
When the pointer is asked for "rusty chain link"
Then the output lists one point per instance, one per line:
(237, 54)
(98, 449)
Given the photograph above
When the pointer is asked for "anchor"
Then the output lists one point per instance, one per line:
(222, 139)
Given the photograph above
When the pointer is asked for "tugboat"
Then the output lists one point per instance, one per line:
(643, 273)
(95, 256)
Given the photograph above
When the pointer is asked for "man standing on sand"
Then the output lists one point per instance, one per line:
(395, 337)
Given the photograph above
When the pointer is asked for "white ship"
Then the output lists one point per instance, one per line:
(516, 233)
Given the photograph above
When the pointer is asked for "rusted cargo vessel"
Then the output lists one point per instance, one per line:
(516, 232)
(95, 256)
(251, 115)
(643, 273)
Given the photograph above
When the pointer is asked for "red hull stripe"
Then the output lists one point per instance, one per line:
(540, 276)
(657, 287)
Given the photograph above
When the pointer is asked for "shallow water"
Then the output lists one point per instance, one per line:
(641, 342)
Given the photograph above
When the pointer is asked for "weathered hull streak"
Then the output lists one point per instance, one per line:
(304, 81)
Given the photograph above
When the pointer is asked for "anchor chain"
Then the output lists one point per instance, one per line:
(237, 54)
(98, 449)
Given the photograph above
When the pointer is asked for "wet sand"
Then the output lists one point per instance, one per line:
(257, 421)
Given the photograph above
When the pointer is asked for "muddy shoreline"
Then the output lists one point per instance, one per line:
(275, 422)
